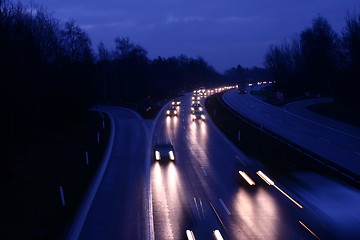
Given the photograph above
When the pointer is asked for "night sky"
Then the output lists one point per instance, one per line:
(226, 33)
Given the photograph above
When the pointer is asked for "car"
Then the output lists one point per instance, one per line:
(198, 115)
(172, 111)
(176, 103)
(196, 97)
(196, 106)
(164, 152)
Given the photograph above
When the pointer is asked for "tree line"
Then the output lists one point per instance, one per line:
(51, 74)
(319, 61)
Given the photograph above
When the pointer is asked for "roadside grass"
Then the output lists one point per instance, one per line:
(268, 95)
(30, 202)
(337, 111)
(280, 156)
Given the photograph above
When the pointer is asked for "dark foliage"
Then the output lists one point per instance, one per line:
(244, 76)
(319, 61)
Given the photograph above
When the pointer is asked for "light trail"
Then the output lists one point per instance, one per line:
(247, 178)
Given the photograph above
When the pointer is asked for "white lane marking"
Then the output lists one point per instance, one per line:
(240, 160)
(204, 172)
(184, 127)
(197, 208)
(224, 206)
(324, 139)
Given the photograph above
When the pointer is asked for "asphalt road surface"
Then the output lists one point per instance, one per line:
(337, 144)
(202, 190)
(117, 208)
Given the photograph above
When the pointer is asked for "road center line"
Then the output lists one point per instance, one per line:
(240, 160)
(204, 172)
(224, 206)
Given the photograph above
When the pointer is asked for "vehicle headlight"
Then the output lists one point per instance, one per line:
(157, 155)
(200, 108)
(168, 111)
(171, 155)
(173, 103)
(175, 112)
(202, 116)
(193, 98)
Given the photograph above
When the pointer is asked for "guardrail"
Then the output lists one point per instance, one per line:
(273, 150)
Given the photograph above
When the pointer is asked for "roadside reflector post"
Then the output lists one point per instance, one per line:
(87, 157)
(62, 197)
(102, 119)
(239, 136)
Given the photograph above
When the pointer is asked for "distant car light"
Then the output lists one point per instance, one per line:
(168, 111)
(175, 112)
(202, 116)
(200, 108)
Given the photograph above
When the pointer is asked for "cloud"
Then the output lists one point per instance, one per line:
(238, 19)
(187, 19)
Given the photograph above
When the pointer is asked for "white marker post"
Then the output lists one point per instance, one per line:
(87, 157)
(103, 121)
(239, 136)
(62, 196)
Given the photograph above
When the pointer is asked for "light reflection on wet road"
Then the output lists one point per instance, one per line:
(201, 190)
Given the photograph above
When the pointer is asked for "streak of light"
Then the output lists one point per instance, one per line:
(309, 230)
(288, 196)
(247, 178)
(190, 235)
(217, 235)
(265, 178)
(270, 182)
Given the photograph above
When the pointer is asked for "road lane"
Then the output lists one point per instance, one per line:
(202, 190)
(336, 146)
(118, 208)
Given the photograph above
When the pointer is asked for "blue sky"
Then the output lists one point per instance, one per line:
(225, 32)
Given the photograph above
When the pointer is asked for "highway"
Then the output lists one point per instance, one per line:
(115, 206)
(337, 144)
(202, 190)
(134, 196)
